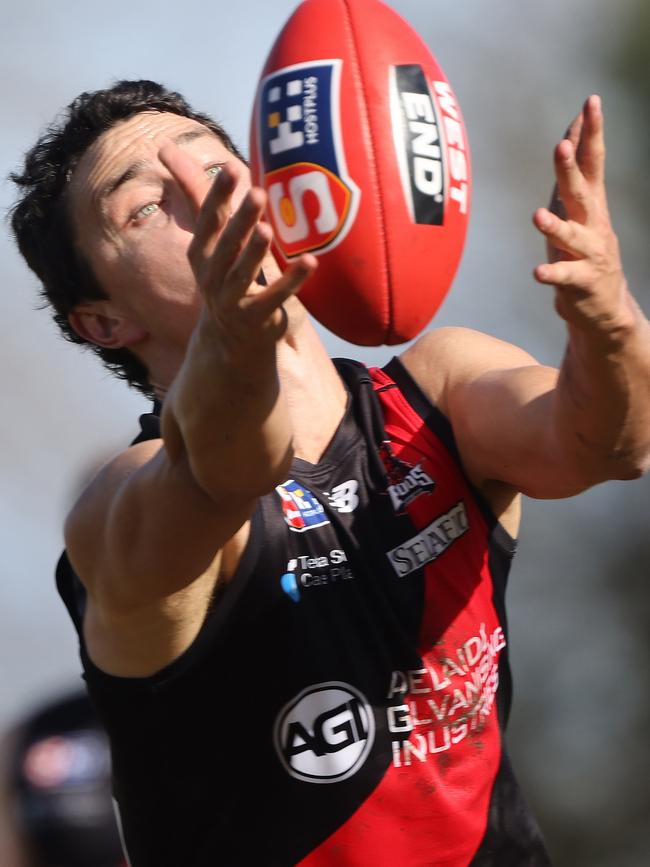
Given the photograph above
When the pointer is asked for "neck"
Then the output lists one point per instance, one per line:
(162, 366)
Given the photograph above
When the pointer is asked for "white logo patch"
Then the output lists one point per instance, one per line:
(325, 733)
(345, 497)
(430, 542)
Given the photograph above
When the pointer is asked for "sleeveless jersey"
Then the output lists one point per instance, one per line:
(345, 700)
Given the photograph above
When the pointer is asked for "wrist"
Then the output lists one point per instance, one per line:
(611, 331)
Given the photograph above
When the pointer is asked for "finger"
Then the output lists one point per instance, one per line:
(190, 176)
(208, 202)
(577, 274)
(213, 216)
(572, 186)
(244, 270)
(573, 135)
(234, 237)
(575, 129)
(263, 304)
(185, 172)
(591, 148)
(564, 235)
(556, 205)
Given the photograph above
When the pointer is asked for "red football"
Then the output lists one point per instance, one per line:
(358, 139)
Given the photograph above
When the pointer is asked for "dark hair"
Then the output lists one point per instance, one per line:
(41, 220)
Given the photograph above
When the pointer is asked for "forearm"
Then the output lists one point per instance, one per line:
(602, 401)
(227, 413)
(601, 409)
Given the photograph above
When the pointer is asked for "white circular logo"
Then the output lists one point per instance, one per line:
(325, 733)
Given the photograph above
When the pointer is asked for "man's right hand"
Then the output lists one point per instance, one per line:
(228, 249)
(166, 520)
(240, 418)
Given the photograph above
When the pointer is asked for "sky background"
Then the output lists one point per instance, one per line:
(520, 72)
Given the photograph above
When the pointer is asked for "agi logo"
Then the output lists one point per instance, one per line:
(325, 733)
(312, 199)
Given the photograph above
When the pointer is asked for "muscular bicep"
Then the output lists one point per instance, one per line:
(501, 405)
(503, 420)
(143, 530)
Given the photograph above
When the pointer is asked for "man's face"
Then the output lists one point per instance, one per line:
(133, 224)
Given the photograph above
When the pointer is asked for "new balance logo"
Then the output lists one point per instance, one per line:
(344, 497)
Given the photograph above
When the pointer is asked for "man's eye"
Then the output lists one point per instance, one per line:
(213, 171)
(148, 210)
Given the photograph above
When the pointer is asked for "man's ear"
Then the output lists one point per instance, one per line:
(97, 322)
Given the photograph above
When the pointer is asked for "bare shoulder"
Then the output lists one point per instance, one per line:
(112, 494)
(147, 543)
(445, 360)
(86, 520)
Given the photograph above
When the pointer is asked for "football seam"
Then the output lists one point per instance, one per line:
(351, 36)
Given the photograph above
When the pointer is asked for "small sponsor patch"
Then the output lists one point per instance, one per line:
(313, 201)
(301, 509)
(305, 571)
(415, 483)
(430, 542)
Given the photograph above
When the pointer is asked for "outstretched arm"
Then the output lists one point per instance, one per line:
(226, 409)
(149, 536)
(517, 422)
(602, 401)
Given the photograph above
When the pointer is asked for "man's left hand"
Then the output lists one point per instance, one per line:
(584, 260)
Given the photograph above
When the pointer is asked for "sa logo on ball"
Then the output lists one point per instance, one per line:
(312, 199)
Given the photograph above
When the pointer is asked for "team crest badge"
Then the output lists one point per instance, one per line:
(406, 482)
(301, 509)
(313, 201)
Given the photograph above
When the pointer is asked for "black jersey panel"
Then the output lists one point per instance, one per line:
(332, 691)
(149, 426)
(513, 837)
(500, 559)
